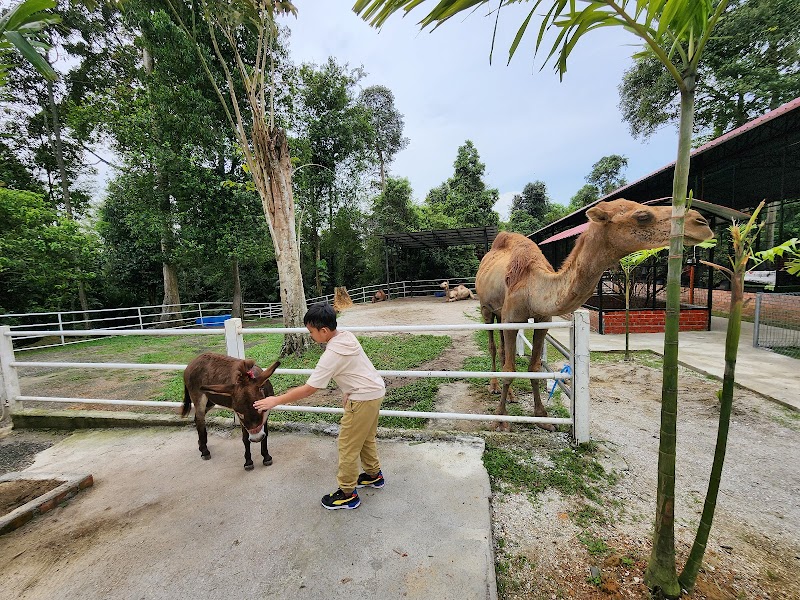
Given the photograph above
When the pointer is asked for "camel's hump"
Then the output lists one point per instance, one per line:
(507, 240)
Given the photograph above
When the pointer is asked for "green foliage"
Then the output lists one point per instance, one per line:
(788, 250)
(40, 252)
(22, 30)
(750, 67)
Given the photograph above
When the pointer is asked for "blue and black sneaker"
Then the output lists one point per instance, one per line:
(339, 499)
(366, 480)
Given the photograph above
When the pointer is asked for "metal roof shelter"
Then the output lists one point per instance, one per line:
(444, 238)
(482, 237)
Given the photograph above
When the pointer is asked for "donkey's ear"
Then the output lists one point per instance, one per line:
(266, 373)
(246, 364)
(599, 213)
(225, 389)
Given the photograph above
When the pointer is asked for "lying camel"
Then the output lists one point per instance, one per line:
(380, 296)
(459, 292)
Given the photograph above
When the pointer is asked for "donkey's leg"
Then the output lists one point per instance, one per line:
(202, 434)
(248, 459)
(200, 410)
(264, 452)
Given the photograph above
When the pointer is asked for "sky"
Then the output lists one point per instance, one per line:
(525, 123)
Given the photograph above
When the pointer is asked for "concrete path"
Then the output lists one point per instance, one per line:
(767, 373)
(160, 523)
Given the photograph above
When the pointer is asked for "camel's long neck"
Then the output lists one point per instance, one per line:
(576, 280)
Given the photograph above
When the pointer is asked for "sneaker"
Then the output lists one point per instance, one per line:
(338, 499)
(375, 481)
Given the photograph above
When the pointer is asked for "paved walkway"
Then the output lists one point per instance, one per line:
(772, 375)
(160, 523)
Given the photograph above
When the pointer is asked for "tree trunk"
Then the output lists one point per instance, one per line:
(317, 258)
(274, 184)
(58, 151)
(627, 316)
(383, 170)
(661, 572)
(237, 308)
(170, 308)
(688, 576)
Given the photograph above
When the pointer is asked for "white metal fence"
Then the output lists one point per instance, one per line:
(577, 355)
(191, 314)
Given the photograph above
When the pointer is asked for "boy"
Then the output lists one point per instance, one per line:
(363, 389)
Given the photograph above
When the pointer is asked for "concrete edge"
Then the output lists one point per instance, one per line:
(44, 503)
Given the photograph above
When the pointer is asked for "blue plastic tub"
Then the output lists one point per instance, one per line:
(214, 321)
(439, 294)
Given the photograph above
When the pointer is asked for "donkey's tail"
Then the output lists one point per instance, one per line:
(187, 402)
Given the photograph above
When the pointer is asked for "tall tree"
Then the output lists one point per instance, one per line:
(606, 173)
(469, 200)
(244, 38)
(751, 66)
(387, 126)
(334, 135)
(529, 209)
(675, 31)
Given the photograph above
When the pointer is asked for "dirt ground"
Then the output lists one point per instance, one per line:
(542, 544)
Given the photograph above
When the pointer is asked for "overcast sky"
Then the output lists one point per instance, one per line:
(526, 125)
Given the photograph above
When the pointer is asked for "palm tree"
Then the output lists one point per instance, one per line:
(676, 32)
(21, 31)
(628, 265)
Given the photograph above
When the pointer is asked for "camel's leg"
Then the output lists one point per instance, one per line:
(488, 318)
(535, 366)
(509, 338)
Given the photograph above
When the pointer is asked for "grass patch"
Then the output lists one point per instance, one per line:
(417, 396)
(571, 471)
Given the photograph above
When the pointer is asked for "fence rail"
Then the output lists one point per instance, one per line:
(233, 331)
(185, 315)
(776, 323)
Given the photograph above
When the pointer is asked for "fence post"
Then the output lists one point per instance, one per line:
(580, 376)
(200, 310)
(757, 318)
(10, 383)
(234, 342)
(61, 327)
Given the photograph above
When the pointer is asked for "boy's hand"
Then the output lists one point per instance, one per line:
(266, 403)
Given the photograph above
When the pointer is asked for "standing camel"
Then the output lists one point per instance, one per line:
(515, 282)
(460, 292)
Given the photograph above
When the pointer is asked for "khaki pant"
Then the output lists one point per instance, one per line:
(357, 441)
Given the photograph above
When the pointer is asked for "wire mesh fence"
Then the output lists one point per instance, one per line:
(777, 323)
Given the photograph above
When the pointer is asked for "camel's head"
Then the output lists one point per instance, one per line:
(628, 226)
(444, 285)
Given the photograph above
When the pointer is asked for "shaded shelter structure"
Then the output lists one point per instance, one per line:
(480, 238)
(728, 177)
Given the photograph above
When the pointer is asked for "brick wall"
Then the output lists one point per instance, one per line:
(648, 321)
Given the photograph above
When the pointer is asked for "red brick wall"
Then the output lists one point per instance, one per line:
(648, 321)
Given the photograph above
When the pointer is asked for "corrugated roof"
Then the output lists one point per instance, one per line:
(444, 238)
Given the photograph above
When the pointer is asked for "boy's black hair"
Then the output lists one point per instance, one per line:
(320, 315)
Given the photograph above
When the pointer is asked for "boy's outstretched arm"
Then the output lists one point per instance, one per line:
(289, 396)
